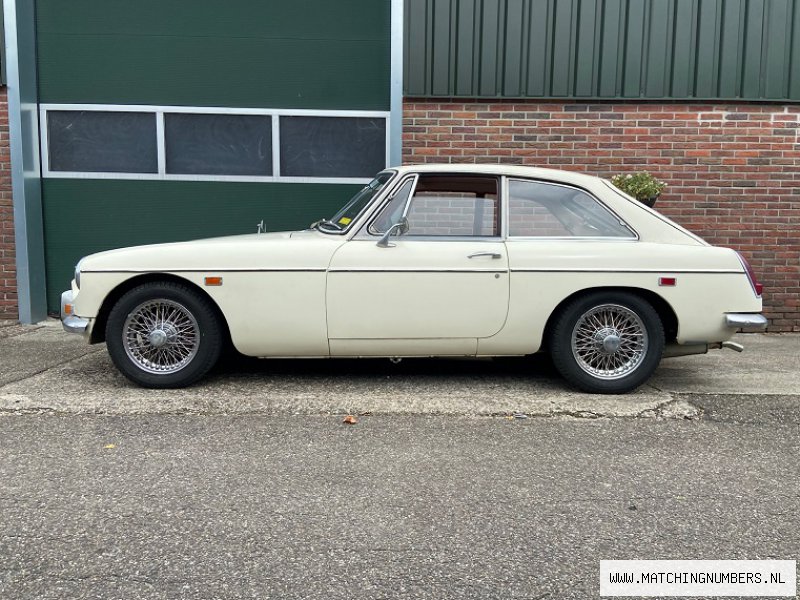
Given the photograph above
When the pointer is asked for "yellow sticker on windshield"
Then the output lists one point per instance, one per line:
(344, 221)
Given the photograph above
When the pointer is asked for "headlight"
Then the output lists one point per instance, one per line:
(78, 274)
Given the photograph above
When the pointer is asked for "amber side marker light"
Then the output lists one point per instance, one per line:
(213, 280)
(68, 309)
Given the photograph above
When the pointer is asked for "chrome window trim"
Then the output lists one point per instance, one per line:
(160, 110)
(365, 234)
(384, 202)
(582, 239)
(354, 229)
(633, 237)
(505, 217)
(353, 226)
(362, 233)
(435, 238)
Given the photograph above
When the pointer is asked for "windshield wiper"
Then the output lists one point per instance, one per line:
(321, 222)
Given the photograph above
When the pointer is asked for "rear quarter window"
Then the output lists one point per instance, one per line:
(539, 209)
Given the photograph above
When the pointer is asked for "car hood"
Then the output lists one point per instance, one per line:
(280, 250)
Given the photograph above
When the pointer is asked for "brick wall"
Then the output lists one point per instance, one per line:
(733, 170)
(8, 269)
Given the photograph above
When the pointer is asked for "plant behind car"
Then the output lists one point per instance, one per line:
(641, 185)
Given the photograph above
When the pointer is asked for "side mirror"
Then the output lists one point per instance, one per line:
(398, 228)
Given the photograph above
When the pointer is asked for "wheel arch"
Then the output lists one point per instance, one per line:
(669, 319)
(99, 328)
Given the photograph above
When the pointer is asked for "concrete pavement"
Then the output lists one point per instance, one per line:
(46, 370)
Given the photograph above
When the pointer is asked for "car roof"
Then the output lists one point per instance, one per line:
(508, 170)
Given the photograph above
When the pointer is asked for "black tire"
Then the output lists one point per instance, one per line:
(173, 352)
(607, 342)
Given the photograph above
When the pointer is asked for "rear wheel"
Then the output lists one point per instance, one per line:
(607, 342)
(163, 335)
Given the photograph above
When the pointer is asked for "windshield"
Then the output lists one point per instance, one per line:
(342, 219)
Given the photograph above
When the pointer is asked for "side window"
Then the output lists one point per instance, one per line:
(454, 205)
(539, 209)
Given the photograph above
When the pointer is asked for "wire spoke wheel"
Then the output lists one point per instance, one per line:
(609, 341)
(161, 336)
(164, 334)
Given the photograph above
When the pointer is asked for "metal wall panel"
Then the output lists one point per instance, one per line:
(659, 49)
(115, 213)
(2, 47)
(271, 53)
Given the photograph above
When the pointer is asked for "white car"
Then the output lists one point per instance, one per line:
(434, 260)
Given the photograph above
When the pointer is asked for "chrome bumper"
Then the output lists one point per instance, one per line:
(70, 322)
(746, 320)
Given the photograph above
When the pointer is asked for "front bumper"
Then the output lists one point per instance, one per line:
(750, 321)
(71, 322)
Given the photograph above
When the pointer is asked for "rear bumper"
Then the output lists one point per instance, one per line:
(71, 322)
(752, 321)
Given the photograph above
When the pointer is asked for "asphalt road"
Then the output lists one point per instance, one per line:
(393, 507)
(250, 486)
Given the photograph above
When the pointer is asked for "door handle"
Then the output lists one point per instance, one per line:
(492, 254)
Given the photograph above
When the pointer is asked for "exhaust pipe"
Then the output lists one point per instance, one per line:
(732, 346)
(728, 345)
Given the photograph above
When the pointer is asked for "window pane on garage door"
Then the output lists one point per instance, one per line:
(332, 146)
(102, 142)
(208, 144)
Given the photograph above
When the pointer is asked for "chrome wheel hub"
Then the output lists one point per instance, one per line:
(157, 338)
(161, 336)
(609, 341)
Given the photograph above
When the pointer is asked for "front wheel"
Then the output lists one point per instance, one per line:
(163, 335)
(607, 342)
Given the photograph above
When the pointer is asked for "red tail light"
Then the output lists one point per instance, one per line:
(757, 287)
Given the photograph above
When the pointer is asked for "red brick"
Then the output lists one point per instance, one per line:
(8, 283)
(733, 170)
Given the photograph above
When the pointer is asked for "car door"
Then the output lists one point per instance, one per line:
(434, 289)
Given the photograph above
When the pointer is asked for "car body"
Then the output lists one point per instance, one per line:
(433, 260)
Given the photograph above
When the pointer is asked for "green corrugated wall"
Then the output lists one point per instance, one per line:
(269, 53)
(616, 49)
(83, 216)
(307, 54)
